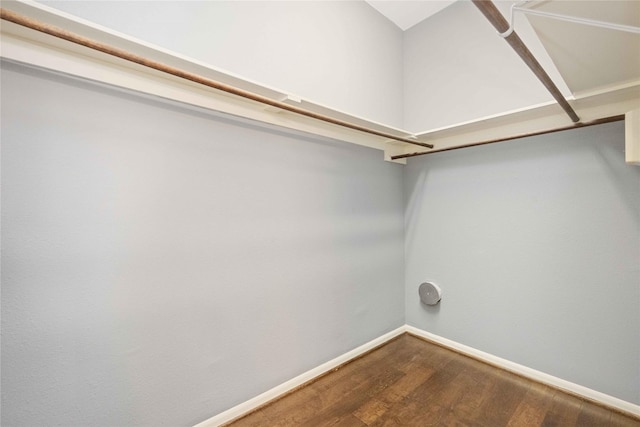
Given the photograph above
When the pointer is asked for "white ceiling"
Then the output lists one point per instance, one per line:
(406, 14)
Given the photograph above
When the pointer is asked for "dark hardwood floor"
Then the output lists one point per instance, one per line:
(411, 382)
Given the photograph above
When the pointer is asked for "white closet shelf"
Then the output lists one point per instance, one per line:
(31, 47)
(592, 106)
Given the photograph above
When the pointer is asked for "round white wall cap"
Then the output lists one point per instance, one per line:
(430, 293)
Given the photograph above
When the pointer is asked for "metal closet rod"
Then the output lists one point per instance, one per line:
(51, 30)
(491, 12)
(522, 135)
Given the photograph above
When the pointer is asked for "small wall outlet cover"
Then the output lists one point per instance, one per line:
(430, 293)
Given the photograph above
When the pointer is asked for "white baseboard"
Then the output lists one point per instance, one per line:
(249, 405)
(533, 374)
(243, 408)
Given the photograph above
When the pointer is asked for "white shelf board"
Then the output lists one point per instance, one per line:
(23, 45)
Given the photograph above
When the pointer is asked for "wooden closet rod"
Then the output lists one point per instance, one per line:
(522, 135)
(491, 12)
(51, 30)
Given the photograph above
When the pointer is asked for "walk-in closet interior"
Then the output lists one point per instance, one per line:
(207, 204)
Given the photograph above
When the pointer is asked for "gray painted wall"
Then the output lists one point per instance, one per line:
(343, 54)
(160, 265)
(536, 245)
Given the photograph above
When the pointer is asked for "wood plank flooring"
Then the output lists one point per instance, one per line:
(411, 382)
